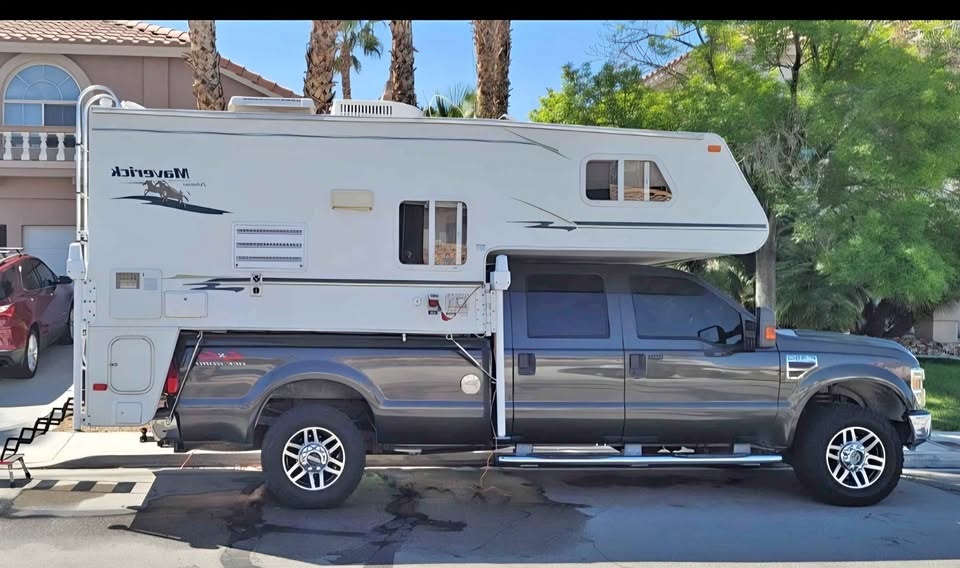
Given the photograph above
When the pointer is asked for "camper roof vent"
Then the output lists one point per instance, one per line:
(272, 104)
(375, 109)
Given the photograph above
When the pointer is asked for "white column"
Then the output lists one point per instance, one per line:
(25, 152)
(500, 281)
(61, 146)
(43, 147)
(459, 230)
(7, 145)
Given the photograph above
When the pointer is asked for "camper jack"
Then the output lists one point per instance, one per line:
(322, 287)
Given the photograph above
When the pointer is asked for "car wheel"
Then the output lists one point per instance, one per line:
(847, 455)
(313, 457)
(27, 367)
(67, 337)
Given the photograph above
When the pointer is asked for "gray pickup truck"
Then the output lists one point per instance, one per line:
(617, 365)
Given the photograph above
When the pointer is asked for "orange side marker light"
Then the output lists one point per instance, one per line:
(770, 333)
(713, 148)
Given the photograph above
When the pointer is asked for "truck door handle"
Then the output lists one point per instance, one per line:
(638, 365)
(526, 363)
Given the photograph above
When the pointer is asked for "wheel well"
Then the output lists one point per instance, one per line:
(317, 391)
(866, 394)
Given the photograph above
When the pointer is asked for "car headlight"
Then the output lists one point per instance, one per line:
(917, 375)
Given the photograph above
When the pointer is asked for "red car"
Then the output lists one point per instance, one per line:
(36, 310)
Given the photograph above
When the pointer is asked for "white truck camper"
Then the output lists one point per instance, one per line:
(373, 219)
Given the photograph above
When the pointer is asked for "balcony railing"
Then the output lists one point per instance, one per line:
(35, 144)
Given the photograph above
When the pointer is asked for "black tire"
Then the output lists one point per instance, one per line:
(22, 369)
(810, 461)
(273, 461)
(66, 338)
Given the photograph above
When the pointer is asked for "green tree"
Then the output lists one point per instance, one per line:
(459, 102)
(848, 128)
(354, 34)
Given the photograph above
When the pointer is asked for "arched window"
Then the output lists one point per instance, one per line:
(41, 95)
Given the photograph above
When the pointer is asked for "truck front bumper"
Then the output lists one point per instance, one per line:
(921, 426)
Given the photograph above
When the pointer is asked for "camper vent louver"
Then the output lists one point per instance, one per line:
(267, 247)
(375, 109)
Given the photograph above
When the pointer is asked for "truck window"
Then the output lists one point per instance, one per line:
(566, 306)
(450, 232)
(678, 308)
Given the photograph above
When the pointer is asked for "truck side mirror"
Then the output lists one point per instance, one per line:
(766, 328)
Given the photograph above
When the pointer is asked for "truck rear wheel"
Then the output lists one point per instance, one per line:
(313, 457)
(847, 455)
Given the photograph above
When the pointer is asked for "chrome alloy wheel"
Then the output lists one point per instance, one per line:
(856, 457)
(313, 458)
(33, 352)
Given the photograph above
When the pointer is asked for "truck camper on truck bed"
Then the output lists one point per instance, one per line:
(369, 281)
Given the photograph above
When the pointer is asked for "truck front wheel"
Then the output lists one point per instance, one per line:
(312, 457)
(847, 455)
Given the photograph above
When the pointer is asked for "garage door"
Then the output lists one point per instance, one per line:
(49, 244)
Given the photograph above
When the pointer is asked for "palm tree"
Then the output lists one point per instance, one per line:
(321, 64)
(491, 40)
(204, 58)
(400, 85)
(483, 38)
(501, 90)
(459, 102)
(354, 33)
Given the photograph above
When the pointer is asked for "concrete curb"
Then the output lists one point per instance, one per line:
(931, 460)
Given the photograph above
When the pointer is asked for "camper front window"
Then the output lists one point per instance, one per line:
(433, 232)
(626, 180)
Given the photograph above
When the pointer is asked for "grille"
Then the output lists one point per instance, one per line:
(269, 246)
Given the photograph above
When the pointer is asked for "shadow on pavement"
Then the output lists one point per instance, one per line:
(433, 516)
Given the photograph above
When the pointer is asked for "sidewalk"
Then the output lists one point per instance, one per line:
(124, 450)
(73, 450)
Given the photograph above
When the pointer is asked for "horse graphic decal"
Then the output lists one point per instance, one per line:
(166, 192)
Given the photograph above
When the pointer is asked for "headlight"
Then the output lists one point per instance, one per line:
(917, 375)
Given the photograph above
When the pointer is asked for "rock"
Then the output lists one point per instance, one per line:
(925, 348)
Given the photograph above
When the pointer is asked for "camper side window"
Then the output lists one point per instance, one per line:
(626, 180)
(444, 221)
(602, 182)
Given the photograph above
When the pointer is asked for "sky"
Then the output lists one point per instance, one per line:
(444, 57)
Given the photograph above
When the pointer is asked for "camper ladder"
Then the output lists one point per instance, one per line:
(42, 425)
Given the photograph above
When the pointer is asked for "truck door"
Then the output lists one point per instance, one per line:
(568, 365)
(689, 379)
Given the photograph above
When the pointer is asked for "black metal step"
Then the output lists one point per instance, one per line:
(40, 427)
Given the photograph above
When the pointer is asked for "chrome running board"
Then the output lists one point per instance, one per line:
(625, 461)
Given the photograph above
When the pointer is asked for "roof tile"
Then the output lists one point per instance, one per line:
(118, 32)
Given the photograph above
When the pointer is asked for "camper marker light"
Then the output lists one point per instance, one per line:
(713, 148)
(99, 386)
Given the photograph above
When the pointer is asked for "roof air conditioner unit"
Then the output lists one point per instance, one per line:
(375, 109)
(272, 104)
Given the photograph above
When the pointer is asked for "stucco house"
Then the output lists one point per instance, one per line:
(44, 64)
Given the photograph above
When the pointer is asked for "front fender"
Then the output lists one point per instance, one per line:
(820, 378)
(311, 370)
